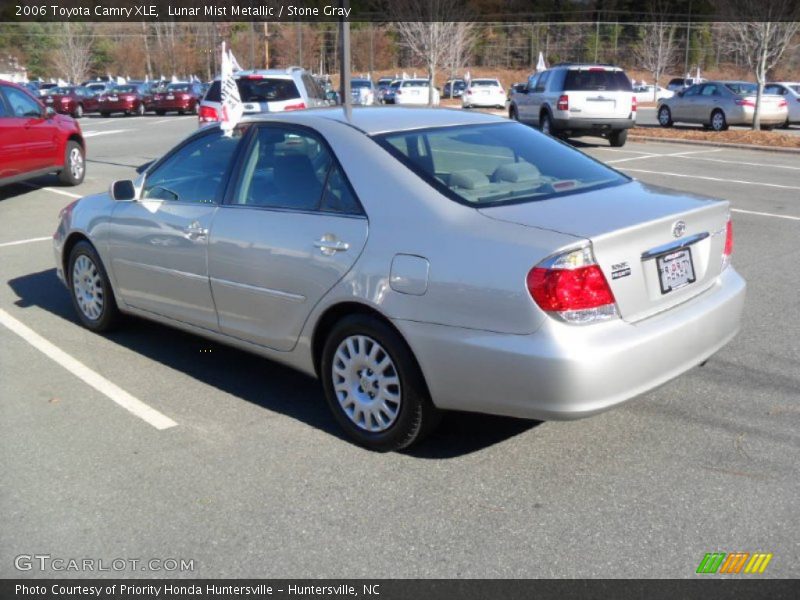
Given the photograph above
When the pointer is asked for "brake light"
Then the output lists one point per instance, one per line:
(253, 77)
(726, 253)
(502, 92)
(596, 69)
(563, 102)
(633, 103)
(299, 106)
(469, 92)
(572, 287)
(208, 114)
(745, 103)
(782, 103)
(398, 92)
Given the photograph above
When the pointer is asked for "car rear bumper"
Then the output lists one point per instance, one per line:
(173, 105)
(121, 106)
(566, 372)
(588, 126)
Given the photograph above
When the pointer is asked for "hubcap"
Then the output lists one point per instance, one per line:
(663, 117)
(76, 163)
(366, 383)
(546, 125)
(87, 286)
(717, 121)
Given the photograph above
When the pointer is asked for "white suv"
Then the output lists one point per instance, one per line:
(572, 100)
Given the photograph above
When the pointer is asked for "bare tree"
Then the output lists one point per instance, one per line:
(437, 38)
(763, 32)
(657, 51)
(73, 54)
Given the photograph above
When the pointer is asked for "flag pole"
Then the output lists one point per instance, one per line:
(344, 60)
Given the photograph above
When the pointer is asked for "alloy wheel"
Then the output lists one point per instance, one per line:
(76, 163)
(87, 285)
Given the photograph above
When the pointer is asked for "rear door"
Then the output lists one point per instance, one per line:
(598, 93)
(286, 234)
(158, 244)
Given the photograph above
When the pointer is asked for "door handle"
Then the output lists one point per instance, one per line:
(329, 245)
(195, 232)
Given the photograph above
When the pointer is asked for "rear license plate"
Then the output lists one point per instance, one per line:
(170, 97)
(48, 100)
(675, 270)
(113, 98)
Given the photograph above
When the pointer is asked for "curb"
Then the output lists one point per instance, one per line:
(647, 138)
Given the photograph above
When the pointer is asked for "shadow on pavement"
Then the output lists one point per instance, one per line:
(256, 379)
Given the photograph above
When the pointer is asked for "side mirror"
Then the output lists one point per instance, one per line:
(122, 189)
(49, 112)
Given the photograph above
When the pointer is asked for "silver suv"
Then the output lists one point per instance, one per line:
(572, 100)
(265, 91)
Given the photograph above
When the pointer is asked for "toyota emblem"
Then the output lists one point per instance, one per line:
(678, 228)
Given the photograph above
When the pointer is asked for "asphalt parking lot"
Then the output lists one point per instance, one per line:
(255, 479)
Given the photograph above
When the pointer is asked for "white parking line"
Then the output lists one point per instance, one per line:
(749, 164)
(115, 393)
(28, 241)
(671, 154)
(723, 180)
(49, 189)
(765, 214)
(88, 134)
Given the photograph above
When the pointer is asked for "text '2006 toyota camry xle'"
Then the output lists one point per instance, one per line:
(415, 260)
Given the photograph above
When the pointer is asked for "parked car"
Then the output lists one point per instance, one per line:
(681, 83)
(501, 272)
(127, 98)
(718, 104)
(362, 91)
(415, 92)
(572, 100)
(484, 92)
(46, 88)
(178, 97)
(651, 93)
(790, 90)
(35, 140)
(389, 94)
(267, 91)
(96, 88)
(71, 100)
(381, 87)
(149, 91)
(454, 88)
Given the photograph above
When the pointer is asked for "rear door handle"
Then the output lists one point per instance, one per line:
(195, 231)
(329, 245)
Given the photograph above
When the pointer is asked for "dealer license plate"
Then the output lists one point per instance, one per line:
(675, 270)
(170, 97)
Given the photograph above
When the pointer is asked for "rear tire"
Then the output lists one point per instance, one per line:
(90, 289)
(140, 110)
(512, 113)
(665, 116)
(767, 127)
(718, 121)
(105, 114)
(618, 138)
(160, 113)
(366, 362)
(74, 168)
(546, 124)
(78, 111)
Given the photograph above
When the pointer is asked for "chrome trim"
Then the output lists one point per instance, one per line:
(261, 290)
(158, 269)
(672, 246)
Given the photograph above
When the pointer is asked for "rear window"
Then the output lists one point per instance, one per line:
(488, 165)
(178, 87)
(742, 89)
(125, 89)
(485, 82)
(360, 83)
(596, 81)
(415, 83)
(258, 90)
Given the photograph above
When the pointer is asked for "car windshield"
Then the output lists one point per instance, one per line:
(178, 87)
(485, 82)
(415, 83)
(258, 89)
(486, 165)
(596, 80)
(124, 89)
(742, 89)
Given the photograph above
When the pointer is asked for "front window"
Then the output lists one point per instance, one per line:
(20, 103)
(486, 165)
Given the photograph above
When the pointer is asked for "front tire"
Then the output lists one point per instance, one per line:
(90, 289)
(78, 111)
(513, 114)
(74, 168)
(374, 386)
(617, 139)
(665, 116)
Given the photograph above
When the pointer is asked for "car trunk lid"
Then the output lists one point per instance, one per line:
(634, 231)
(598, 92)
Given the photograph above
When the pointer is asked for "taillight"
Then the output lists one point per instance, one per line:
(563, 102)
(299, 106)
(572, 287)
(745, 103)
(782, 103)
(633, 103)
(185, 96)
(728, 250)
(130, 98)
(208, 114)
(502, 92)
(469, 92)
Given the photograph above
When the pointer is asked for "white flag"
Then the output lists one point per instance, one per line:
(234, 63)
(232, 108)
(541, 65)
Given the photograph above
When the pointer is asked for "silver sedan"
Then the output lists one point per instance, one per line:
(415, 260)
(718, 104)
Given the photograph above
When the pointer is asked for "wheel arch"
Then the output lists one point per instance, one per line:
(72, 240)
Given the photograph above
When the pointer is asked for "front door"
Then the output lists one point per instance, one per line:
(158, 243)
(31, 142)
(289, 231)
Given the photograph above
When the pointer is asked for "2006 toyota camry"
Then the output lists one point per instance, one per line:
(415, 260)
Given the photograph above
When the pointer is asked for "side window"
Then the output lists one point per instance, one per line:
(774, 89)
(532, 82)
(194, 173)
(338, 196)
(21, 104)
(709, 90)
(285, 168)
(542, 82)
(692, 91)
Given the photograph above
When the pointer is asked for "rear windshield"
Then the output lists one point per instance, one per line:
(259, 90)
(415, 83)
(742, 89)
(125, 89)
(477, 82)
(62, 90)
(488, 165)
(596, 81)
(179, 87)
(360, 83)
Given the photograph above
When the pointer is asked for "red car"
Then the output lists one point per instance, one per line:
(179, 97)
(34, 140)
(126, 98)
(71, 100)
